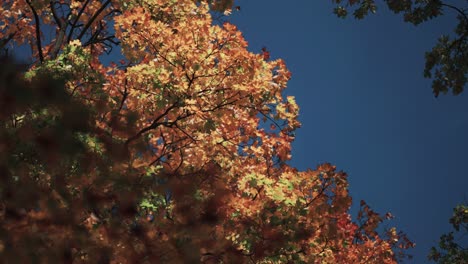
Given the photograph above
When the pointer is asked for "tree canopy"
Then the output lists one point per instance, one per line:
(174, 152)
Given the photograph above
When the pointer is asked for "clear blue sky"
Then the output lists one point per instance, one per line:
(366, 108)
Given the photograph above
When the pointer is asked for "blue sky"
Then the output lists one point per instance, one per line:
(366, 108)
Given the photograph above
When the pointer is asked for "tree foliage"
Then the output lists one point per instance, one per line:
(450, 250)
(447, 62)
(174, 153)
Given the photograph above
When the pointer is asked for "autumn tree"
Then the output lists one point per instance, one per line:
(447, 62)
(175, 152)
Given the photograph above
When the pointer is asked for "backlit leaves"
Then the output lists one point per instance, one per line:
(174, 154)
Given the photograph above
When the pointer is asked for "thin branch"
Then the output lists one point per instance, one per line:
(181, 160)
(38, 31)
(70, 34)
(183, 131)
(153, 125)
(54, 14)
(125, 94)
(91, 21)
(102, 40)
(456, 9)
(157, 51)
(323, 189)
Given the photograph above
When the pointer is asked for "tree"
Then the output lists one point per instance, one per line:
(175, 153)
(447, 62)
(450, 251)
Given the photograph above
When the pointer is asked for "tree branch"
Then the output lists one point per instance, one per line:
(456, 9)
(38, 31)
(54, 14)
(62, 26)
(70, 34)
(91, 21)
(153, 125)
